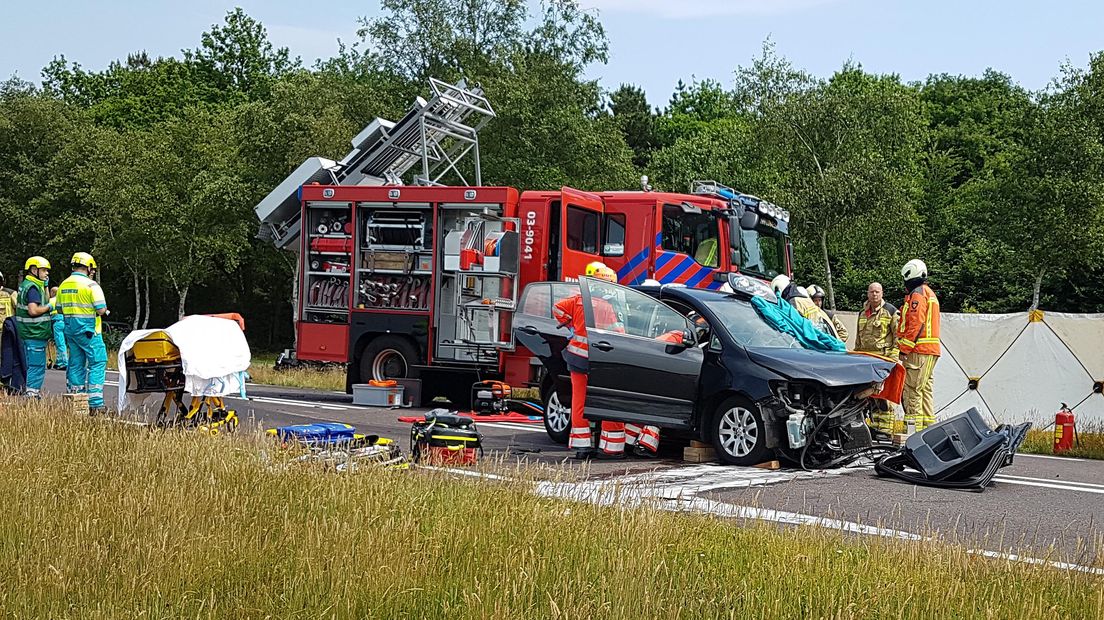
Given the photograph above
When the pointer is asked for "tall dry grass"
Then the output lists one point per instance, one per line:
(104, 520)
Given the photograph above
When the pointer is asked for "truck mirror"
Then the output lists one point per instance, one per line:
(735, 240)
(749, 220)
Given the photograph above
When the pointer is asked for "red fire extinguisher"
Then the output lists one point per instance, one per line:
(1063, 429)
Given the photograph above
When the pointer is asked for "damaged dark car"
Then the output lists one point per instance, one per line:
(751, 391)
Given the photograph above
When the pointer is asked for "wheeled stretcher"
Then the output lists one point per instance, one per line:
(154, 365)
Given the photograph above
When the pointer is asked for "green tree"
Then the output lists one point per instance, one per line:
(238, 57)
(851, 145)
(636, 119)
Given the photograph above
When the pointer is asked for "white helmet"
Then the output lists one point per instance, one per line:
(780, 283)
(914, 269)
(651, 282)
(815, 291)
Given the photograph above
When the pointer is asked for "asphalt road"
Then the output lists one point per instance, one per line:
(1041, 506)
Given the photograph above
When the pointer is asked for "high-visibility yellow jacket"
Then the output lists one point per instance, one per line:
(918, 327)
(877, 331)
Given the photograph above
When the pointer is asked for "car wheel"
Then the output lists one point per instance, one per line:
(387, 357)
(739, 436)
(557, 417)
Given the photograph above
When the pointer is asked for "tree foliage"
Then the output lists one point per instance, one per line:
(154, 164)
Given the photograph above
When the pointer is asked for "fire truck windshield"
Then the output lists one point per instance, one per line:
(763, 252)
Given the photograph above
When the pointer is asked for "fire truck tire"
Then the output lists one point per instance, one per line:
(387, 357)
(557, 417)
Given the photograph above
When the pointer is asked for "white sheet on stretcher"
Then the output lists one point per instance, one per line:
(213, 353)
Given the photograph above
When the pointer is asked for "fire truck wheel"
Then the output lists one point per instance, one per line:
(557, 417)
(387, 357)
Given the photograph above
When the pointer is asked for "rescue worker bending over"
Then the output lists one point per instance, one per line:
(32, 320)
(876, 333)
(785, 289)
(817, 294)
(918, 342)
(82, 305)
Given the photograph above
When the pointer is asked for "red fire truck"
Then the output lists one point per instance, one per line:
(421, 281)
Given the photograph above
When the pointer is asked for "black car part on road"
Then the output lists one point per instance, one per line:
(958, 453)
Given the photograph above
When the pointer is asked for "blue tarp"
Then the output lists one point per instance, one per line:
(785, 318)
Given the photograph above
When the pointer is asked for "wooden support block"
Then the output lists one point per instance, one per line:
(900, 439)
(698, 455)
(77, 403)
(698, 444)
(769, 465)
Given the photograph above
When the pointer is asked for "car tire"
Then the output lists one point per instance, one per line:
(557, 417)
(739, 436)
(387, 357)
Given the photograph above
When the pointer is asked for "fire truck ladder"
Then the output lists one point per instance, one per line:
(438, 134)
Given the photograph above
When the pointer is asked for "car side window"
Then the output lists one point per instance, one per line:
(638, 314)
(538, 301)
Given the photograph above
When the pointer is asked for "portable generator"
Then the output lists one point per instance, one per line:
(490, 397)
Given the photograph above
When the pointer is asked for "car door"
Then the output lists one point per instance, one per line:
(635, 376)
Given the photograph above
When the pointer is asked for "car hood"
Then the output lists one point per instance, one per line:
(829, 368)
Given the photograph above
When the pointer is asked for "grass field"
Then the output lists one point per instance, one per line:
(262, 370)
(1089, 445)
(104, 520)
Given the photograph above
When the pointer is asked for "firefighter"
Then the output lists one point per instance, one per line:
(876, 332)
(569, 312)
(817, 294)
(32, 320)
(789, 291)
(61, 357)
(82, 304)
(918, 343)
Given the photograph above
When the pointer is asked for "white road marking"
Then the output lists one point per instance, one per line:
(295, 403)
(1047, 456)
(649, 489)
(1046, 485)
(1054, 481)
(514, 426)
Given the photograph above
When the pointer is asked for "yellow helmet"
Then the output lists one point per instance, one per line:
(83, 259)
(36, 262)
(598, 270)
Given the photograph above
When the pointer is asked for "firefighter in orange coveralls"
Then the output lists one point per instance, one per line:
(569, 312)
(918, 341)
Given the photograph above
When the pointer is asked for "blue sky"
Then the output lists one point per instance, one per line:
(653, 43)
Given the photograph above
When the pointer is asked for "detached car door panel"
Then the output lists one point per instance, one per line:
(635, 374)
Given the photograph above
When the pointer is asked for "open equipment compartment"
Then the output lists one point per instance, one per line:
(478, 288)
(395, 257)
(329, 246)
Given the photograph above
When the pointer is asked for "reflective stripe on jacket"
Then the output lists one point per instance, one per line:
(569, 311)
(32, 327)
(918, 326)
(877, 331)
(80, 299)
